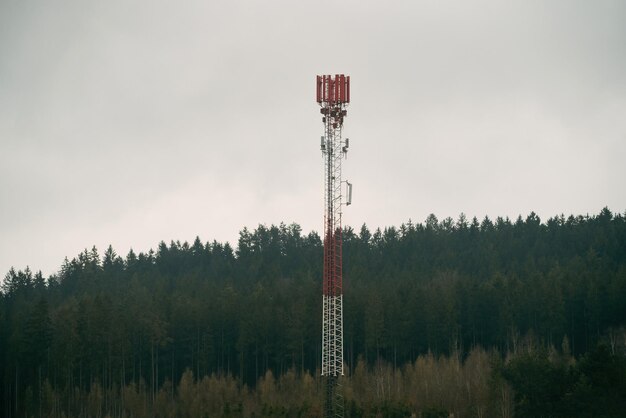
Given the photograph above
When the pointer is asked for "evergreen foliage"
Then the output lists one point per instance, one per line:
(152, 331)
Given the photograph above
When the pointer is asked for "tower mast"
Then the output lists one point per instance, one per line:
(333, 95)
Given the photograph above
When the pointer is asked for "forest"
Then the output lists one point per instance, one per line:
(463, 318)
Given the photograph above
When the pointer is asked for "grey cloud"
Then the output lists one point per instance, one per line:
(131, 122)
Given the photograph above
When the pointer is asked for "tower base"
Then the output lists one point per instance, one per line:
(333, 397)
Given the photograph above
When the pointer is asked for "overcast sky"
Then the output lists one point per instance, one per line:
(131, 122)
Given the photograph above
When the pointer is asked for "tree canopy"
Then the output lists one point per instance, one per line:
(439, 287)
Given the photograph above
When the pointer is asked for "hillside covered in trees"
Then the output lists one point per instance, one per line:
(451, 316)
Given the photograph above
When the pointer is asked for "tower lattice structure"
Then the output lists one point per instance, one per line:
(333, 95)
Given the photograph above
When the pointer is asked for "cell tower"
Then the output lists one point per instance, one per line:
(333, 95)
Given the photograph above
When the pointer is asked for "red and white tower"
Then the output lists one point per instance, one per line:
(333, 95)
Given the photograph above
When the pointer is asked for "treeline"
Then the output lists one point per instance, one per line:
(111, 326)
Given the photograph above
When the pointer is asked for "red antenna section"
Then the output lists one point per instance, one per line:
(333, 90)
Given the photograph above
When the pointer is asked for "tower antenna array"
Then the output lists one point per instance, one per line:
(333, 95)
